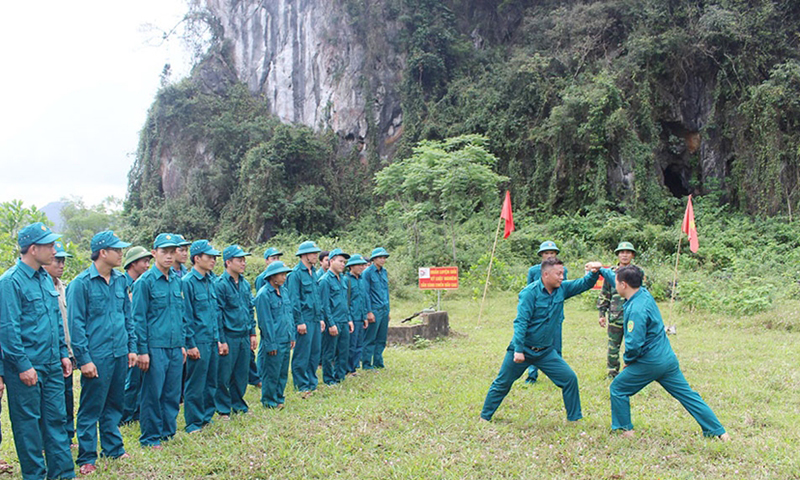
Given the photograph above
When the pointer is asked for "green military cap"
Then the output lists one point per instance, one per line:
(356, 259)
(275, 268)
(625, 246)
(307, 247)
(271, 252)
(166, 240)
(378, 252)
(233, 251)
(60, 252)
(36, 233)
(182, 242)
(107, 239)
(203, 247)
(548, 246)
(133, 254)
(338, 251)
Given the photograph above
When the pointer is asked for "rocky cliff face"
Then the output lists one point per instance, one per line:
(306, 59)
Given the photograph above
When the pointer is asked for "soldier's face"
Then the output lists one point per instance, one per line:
(271, 259)
(549, 254)
(625, 257)
(325, 263)
(553, 276)
(337, 264)
(181, 254)
(238, 264)
(140, 266)
(278, 279)
(205, 262)
(358, 269)
(55, 269)
(379, 261)
(165, 257)
(43, 254)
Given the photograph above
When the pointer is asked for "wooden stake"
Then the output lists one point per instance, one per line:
(489, 271)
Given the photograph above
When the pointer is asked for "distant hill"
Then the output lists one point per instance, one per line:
(53, 212)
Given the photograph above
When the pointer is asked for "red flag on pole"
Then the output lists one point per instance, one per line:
(689, 227)
(507, 215)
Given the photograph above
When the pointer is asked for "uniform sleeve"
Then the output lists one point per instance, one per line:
(216, 329)
(292, 286)
(266, 323)
(604, 299)
(524, 314)
(188, 312)
(78, 315)
(609, 276)
(325, 299)
(636, 331)
(575, 287)
(222, 293)
(387, 289)
(141, 294)
(367, 279)
(10, 331)
(565, 273)
(130, 326)
(251, 309)
(531, 275)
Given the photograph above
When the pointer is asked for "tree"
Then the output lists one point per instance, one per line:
(82, 222)
(446, 181)
(13, 217)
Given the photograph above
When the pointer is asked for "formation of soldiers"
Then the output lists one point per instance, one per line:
(148, 337)
(630, 312)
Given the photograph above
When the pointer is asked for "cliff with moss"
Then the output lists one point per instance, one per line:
(622, 105)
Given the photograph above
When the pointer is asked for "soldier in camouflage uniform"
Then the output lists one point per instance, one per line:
(610, 306)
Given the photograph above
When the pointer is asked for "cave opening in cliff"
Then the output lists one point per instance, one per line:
(676, 178)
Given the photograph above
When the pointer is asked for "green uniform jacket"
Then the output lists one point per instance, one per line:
(377, 286)
(535, 273)
(31, 328)
(236, 307)
(100, 321)
(200, 308)
(333, 297)
(356, 297)
(261, 280)
(645, 338)
(275, 318)
(158, 311)
(539, 312)
(304, 292)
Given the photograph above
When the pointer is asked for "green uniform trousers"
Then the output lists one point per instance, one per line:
(161, 395)
(201, 385)
(101, 406)
(274, 370)
(133, 395)
(637, 375)
(375, 339)
(38, 417)
(232, 376)
(336, 355)
(306, 358)
(533, 372)
(549, 362)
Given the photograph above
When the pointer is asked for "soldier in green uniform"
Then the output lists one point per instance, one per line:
(609, 304)
(181, 256)
(201, 316)
(237, 332)
(649, 357)
(35, 358)
(276, 323)
(547, 249)
(271, 254)
(357, 304)
(324, 263)
(338, 325)
(136, 262)
(56, 270)
(104, 342)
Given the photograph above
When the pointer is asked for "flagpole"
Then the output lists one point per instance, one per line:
(675, 277)
(489, 271)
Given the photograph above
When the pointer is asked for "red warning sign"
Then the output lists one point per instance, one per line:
(438, 278)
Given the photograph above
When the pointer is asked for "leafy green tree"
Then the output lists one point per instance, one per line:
(81, 222)
(447, 181)
(13, 217)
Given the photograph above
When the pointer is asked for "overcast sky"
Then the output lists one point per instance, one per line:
(78, 78)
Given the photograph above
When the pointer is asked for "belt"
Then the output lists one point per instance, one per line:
(538, 349)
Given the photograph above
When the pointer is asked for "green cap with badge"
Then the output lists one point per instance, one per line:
(548, 246)
(133, 254)
(36, 233)
(60, 252)
(307, 247)
(625, 246)
(233, 251)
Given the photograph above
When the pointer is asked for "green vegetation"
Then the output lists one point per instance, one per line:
(418, 418)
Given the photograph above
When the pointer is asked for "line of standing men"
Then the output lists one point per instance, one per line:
(132, 333)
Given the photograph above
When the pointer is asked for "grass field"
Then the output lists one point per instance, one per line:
(418, 418)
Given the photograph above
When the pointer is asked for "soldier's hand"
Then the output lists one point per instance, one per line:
(602, 322)
(519, 357)
(333, 331)
(66, 367)
(29, 377)
(302, 329)
(2, 387)
(253, 343)
(366, 325)
(593, 266)
(371, 317)
(352, 327)
(291, 344)
(131, 360)
(183, 352)
(321, 326)
(89, 370)
(143, 362)
(222, 348)
(193, 353)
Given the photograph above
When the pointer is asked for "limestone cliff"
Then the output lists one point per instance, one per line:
(305, 58)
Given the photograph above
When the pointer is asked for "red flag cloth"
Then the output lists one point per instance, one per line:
(689, 228)
(507, 215)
